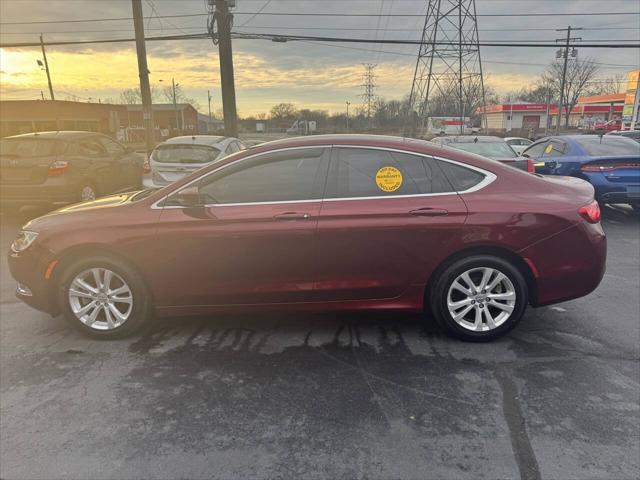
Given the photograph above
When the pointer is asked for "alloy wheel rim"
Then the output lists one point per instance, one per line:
(100, 299)
(87, 194)
(481, 299)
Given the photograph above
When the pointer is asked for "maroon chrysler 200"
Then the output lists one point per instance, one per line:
(317, 224)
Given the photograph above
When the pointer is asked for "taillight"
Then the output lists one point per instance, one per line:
(530, 167)
(608, 166)
(58, 168)
(146, 167)
(591, 212)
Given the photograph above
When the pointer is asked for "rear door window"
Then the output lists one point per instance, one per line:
(91, 148)
(113, 148)
(534, 151)
(363, 172)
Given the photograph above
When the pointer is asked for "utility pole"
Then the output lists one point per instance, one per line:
(348, 103)
(210, 119)
(565, 54)
(46, 68)
(143, 72)
(175, 105)
(221, 19)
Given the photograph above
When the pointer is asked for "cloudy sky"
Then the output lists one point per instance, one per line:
(307, 74)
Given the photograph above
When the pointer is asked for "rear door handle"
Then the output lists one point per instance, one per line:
(292, 216)
(429, 212)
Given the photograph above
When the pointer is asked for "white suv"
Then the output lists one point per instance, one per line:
(180, 156)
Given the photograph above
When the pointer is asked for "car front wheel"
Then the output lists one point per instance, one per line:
(479, 298)
(104, 297)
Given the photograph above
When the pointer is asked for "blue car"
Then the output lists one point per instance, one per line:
(610, 163)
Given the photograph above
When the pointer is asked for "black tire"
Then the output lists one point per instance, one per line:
(439, 292)
(141, 310)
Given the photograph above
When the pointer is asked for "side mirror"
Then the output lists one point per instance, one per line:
(187, 197)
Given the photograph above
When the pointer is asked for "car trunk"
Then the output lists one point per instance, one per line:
(25, 162)
(620, 169)
(582, 191)
(171, 173)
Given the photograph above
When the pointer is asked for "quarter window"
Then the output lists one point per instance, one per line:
(361, 172)
(462, 178)
(277, 177)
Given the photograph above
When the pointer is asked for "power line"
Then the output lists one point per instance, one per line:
(498, 62)
(293, 38)
(321, 14)
(277, 27)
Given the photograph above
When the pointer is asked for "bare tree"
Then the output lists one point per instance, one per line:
(283, 111)
(607, 85)
(579, 74)
(132, 96)
(181, 97)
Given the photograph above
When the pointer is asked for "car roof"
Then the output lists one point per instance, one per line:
(515, 138)
(209, 140)
(471, 139)
(59, 135)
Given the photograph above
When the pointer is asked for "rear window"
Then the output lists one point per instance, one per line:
(493, 150)
(185, 154)
(608, 145)
(31, 147)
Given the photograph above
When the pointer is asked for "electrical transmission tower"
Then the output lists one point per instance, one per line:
(369, 85)
(448, 74)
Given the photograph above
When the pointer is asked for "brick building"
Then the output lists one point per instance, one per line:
(119, 121)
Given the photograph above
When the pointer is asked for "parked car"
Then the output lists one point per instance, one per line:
(328, 222)
(609, 126)
(632, 134)
(518, 144)
(180, 156)
(58, 168)
(610, 163)
(491, 147)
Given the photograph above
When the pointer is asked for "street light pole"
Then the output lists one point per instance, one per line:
(348, 103)
(210, 119)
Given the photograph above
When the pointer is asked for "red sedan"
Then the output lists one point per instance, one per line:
(316, 224)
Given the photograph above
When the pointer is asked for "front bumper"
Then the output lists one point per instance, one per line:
(28, 268)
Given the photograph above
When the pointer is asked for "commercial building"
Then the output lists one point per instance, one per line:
(534, 116)
(119, 121)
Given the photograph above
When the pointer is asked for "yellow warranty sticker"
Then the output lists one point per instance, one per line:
(549, 149)
(389, 179)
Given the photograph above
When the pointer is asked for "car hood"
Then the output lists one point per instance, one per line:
(78, 211)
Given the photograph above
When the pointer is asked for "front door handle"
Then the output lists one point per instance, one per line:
(429, 212)
(292, 216)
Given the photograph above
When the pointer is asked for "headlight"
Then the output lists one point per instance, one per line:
(24, 240)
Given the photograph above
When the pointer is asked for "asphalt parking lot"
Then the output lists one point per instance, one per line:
(330, 397)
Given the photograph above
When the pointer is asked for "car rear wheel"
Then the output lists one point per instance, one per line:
(104, 297)
(479, 298)
(88, 193)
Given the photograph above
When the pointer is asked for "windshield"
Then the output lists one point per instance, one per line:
(486, 149)
(608, 145)
(31, 147)
(185, 154)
